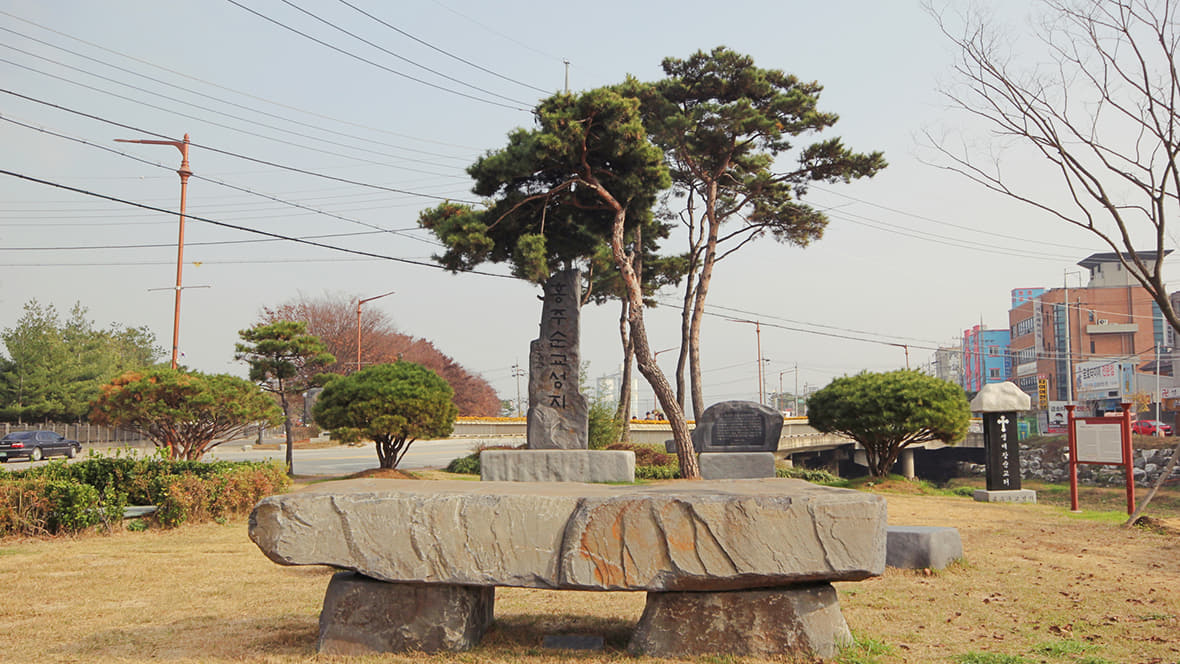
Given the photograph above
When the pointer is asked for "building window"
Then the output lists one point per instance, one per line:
(993, 373)
(1092, 346)
(1023, 327)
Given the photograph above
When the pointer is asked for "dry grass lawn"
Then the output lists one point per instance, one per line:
(1037, 585)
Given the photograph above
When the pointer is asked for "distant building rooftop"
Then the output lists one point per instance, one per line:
(1094, 260)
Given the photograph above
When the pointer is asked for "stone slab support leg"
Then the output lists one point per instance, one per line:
(757, 623)
(363, 616)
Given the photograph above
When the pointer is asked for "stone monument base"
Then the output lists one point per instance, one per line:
(736, 465)
(920, 547)
(594, 466)
(1006, 496)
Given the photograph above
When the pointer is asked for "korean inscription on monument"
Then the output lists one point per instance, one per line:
(558, 413)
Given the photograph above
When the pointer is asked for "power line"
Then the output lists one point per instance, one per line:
(399, 57)
(246, 229)
(220, 124)
(317, 127)
(248, 94)
(228, 153)
(224, 184)
(378, 65)
(444, 52)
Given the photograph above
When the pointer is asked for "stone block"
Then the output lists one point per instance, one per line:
(920, 547)
(557, 466)
(705, 535)
(736, 465)
(363, 616)
(800, 620)
(573, 642)
(1005, 496)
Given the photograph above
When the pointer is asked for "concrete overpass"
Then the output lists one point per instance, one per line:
(800, 443)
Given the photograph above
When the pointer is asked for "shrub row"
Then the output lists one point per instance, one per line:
(61, 498)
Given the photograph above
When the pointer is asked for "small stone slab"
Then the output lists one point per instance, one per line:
(754, 623)
(573, 642)
(736, 465)
(557, 466)
(1005, 496)
(921, 547)
(363, 616)
(701, 535)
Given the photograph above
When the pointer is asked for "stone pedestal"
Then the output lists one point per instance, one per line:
(1006, 496)
(754, 623)
(920, 547)
(736, 465)
(364, 616)
(557, 466)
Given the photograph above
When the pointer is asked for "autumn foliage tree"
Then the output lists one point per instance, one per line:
(332, 318)
(184, 413)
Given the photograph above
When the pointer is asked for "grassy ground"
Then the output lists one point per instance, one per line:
(1038, 585)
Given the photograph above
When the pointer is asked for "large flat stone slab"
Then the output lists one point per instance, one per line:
(692, 535)
(557, 466)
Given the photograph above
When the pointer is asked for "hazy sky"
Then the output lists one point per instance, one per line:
(911, 257)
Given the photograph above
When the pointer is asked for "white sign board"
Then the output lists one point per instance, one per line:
(1099, 442)
(1098, 376)
(1170, 393)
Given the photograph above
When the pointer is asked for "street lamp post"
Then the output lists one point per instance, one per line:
(795, 370)
(358, 324)
(761, 375)
(184, 174)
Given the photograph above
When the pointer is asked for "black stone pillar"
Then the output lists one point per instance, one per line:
(1003, 451)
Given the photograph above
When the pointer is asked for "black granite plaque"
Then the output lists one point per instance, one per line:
(738, 426)
(1003, 451)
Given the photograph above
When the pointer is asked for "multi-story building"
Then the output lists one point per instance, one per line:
(1099, 335)
(948, 364)
(986, 358)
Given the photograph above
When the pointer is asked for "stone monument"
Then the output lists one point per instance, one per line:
(1000, 403)
(558, 418)
(737, 440)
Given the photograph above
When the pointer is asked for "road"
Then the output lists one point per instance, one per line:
(335, 460)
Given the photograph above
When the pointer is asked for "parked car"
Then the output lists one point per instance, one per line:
(1149, 427)
(36, 445)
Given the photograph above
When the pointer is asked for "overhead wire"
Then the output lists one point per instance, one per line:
(443, 51)
(228, 115)
(218, 182)
(238, 227)
(523, 106)
(248, 95)
(235, 155)
(309, 125)
(330, 24)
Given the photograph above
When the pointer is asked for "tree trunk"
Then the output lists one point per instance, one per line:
(623, 410)
(643, 356)
(698, 310)
(1167, 472)
(287, 431)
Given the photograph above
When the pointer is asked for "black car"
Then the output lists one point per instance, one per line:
(36, 445)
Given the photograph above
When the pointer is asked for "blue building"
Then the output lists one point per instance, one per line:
(986, 358)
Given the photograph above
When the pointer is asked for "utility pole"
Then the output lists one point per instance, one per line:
(517, 372)
(184, 174)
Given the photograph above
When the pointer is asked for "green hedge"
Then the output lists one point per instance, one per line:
(61, 498)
